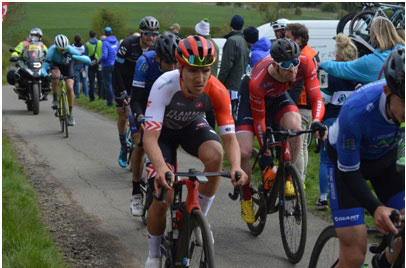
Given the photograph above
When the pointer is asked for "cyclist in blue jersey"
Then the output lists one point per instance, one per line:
(149, 67)
(60, 59)
(362, 145)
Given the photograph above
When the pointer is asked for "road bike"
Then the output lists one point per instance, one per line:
(182, 245)
(62, 111)
(292, 209)
(359, 23)
(326, 250)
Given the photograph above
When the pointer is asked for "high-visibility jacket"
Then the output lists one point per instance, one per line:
(312, 54)
(23, 44)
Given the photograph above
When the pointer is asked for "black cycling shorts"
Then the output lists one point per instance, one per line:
(65, 69)
(388, 185)
(274, 107)
(189, 137)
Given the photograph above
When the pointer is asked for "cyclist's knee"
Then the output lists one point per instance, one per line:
(292, 121)
(211, 153)
(352, 250)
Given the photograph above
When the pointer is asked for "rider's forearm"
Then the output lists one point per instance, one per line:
(359, 189)
(152, 149)
(232, 149)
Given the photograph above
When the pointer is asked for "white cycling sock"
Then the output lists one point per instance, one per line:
(154, 242)
(323, 197)
(205, 202)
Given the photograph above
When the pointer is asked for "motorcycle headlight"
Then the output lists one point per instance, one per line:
(37, 64)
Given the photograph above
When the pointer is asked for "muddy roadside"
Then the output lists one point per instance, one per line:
(76, 234)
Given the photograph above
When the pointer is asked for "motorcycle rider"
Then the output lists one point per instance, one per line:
(34, 37)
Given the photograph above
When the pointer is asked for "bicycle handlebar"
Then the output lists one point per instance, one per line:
(196, 175)
(389, 239)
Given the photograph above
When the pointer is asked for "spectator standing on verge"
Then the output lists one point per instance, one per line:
(334, 96)
(259, 48)
(110, 48)
(94, 48)
(234, 60)
(175, 28)
(299, 33)
(369, 68)
(202, 28)
(79, 68)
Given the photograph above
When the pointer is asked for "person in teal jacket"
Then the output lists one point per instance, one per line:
(369, 67)
(60, 59)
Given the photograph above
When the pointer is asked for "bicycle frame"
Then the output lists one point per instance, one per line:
(283, 161)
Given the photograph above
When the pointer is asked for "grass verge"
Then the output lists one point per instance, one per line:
(26, 242)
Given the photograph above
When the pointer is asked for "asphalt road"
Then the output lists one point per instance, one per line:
(86, 163)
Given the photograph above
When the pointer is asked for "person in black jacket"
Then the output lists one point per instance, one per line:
(130, 50)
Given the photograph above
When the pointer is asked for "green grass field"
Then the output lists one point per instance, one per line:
(26, 242)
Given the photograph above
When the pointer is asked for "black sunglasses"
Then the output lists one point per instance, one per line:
(151, 33)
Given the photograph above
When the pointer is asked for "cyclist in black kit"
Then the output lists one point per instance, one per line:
(130, 50)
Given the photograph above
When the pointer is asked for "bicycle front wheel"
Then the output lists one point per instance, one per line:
(199, 249)
(293, 217)
(326, 250)
(361, 24)
(65, 113)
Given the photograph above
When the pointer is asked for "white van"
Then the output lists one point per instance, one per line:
(321, 33)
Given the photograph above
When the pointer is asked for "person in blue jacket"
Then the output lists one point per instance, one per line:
(109, 48)
(368, 68)
(60, 59)
(259, 48)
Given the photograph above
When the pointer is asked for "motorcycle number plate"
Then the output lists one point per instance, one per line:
(37, 64)
(34, 47)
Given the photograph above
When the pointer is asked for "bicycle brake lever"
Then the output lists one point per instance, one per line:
(162, 195)
(234, 196)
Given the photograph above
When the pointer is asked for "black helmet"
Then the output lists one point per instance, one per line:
(394, 70)
(165, 46)
(284, 50)
(149, 23)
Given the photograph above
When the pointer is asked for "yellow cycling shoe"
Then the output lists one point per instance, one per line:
(247, 211)
(289, 189)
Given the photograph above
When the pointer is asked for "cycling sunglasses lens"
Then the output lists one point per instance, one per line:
(288, 64)
(151, 33)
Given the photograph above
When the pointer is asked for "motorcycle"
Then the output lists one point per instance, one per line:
(26, 77)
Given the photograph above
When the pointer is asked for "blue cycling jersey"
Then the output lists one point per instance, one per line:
(146, 71)
(54, 57)
(362, 129)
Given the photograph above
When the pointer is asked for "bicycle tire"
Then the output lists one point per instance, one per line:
(293, 209)
(362, 23)
(309, 138)
(259, 204)
(60, 113)
(65, 113)
(317, 258)
(130, 145)
(147, 201)
(185, 246)
(343, 22)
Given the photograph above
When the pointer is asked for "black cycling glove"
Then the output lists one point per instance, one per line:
(320, 127)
